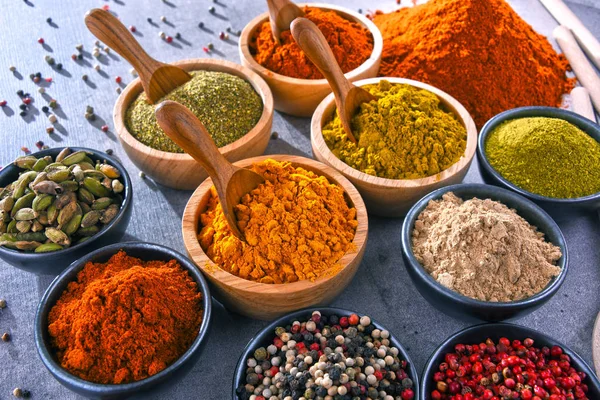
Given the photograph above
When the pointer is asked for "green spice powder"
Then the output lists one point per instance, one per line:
(547, 156)
(405, 134)
(227, 105)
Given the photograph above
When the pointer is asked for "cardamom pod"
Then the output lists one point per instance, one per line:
(95, 187)
(109, 171)
(10, 237)
(57, 236)
(92, 173)
(42, 176)
(25, 214)
(55, 166)
(85, 208)
(89, 231)
(4, 216)
(64, 199)
(8, 243)
(59, 175)
(41, 202)
(43, 218)
(74, 158)
(77, 173)
(31, 236)
(107, 183)
(89, 160)
(85, 166)
(117, 186)
(5, 191)
(84, 195)
(90, 218)
(83, 239)
(63, 153)
(21, 184)
(52, 213)
(40, 165)
(67, 213)
(101, 203)
(25, 162)
(48, 187)
(6, 204)
(23, 202)
(28, 246)
(73, 224)
(24, 226)
(69, 186)
(48, 247)
(3, 227)
(36, 226)
(12, 227)
(109, 214)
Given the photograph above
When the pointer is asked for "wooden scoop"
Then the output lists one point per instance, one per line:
(347, 96)
(158, 79)
(281, 15)
(187, 131)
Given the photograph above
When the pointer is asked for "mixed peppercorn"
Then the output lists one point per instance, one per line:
(508, 370)
(327, 357)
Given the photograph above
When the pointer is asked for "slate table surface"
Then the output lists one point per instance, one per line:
(381, 287)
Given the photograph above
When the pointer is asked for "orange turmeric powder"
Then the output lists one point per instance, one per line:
(351, 44)
(297, 226)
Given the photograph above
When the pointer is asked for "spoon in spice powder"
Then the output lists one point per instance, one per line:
(281, 15)
(347, 96)
(231, 182)
(158, 79)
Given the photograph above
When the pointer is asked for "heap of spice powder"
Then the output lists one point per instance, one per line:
(351, 43)
(546, 156)
(482, 249)
(297, 226)
(125, 320)
(479, 51)
(226, 104)
(404, 134)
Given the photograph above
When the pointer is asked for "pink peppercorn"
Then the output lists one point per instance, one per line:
(41, 40)
(205, 49)
(105, 7)
(169, 39)
(27, 100)
(49, 80)
(104, 128)
(132, 28)
(3, 103)
(118, 79)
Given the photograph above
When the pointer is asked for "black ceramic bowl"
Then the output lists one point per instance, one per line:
(466, 308)
(265, 336)
(479, 333)
(168, 376)
(552, 205)
(53, 263)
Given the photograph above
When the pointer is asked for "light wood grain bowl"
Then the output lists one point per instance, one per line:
(268, 301)
(300, 97)
(179, 170)
(394, 197)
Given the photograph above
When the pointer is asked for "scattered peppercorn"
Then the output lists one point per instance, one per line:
(12, 68)
(275, 135)
(59, 66)
(45, 109)
(109, 152)
(150, 20)
(200, 24)
(84, 77)
(26, 100)
(211, 46)
(142, 175)
(17, 392)
(23, 107)
(6, 337)
(161, 34)
(104, 128)
(163, 18)
(79, 47)
(211, 10)
(49, 60)
(2, 304)
(118, 90)
(41, 41)
(39, 144)
(38, 74)
(132, 28)
(169, 39)
(178, 35)
(50, 130)
(52, 103)
(221, 35)
(20, 93)
(49, 80)
(25, 150)
(205, 49)
(52, 118)
(118, 79)
(106, 7)
(3, 103)
(23, 113)
(73, 57)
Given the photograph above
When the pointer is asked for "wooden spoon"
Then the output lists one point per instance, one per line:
(347, 96)
(281, 15)
(158, 79)
(232, 182)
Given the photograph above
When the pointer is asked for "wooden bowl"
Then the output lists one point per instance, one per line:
(180, 170)
(394, 197)
(268, 301)
(300, 97)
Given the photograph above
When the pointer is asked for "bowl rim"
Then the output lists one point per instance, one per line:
(195, 64)
(499, 327)
(462, 300)
(580, 122)
(60, 282)
(305, 313)
(458, 110)
(189, 229)
(127, 201)
(353, 16)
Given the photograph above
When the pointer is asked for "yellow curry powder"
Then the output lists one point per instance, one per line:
(405, 134)
(297, 226)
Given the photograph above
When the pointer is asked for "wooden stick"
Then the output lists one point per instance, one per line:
(581, 66)
(566, 17)
(582, 104)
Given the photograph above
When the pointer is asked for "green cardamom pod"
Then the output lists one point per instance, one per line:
(72, 226)
(4, 216)
(57, 236)
(40, 165)
(21, 184)
(24, 226)
(117, 186)
(32, 236)
(12, 227)
(5, 191)
(77, 173)
(69, 186)
(42, 176)
(66, 213)
(74, 158)
(89, 161)
(3, 227)
(95, 187)
(84, 195)
(10, 237)
(109, 171)
(48, 247)
(92, 173)
(89, 219)
(64, 199)
(43, 218)
(25, 214)
(101, 203)
(63, 153)
(85, 166)
(8, 243)
(52, 213)
(89, 231)
(23, 202)
(83, 239)
(55, 166)
(36, 226)
(42, 201)
(6, 204)
(27, 246)
(25, 162)
(109, 214)
(85, 208)
(48, 187)
(59, 175)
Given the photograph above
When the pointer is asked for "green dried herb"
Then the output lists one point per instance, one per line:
(227, 105)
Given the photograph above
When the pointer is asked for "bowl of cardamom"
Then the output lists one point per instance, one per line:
(59, 204)
(412, 140)
(234, 104)
(549, 155)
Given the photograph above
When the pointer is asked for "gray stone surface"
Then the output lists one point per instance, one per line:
(381, 288)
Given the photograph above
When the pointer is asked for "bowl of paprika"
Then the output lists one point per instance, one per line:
(297, 85)
(96, 326)
(507, 358)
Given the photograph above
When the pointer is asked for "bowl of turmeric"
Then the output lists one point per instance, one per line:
(297, 85)
(412, 140)
(305, 233)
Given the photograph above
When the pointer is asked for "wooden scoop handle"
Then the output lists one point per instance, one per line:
(115, 35)
(281, 15)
